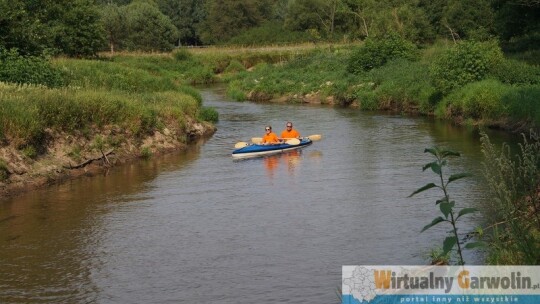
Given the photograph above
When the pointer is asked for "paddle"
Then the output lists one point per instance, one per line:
(315, 137)
(240, 144)
(293, 141)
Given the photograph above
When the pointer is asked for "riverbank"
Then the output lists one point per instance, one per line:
(100, 113)
(492, 90)
(66, 156)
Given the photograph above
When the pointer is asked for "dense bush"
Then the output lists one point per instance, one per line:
(514, 72)
(267, 34)
(209, 114)
(466, 62)
(399, 84)
(478, 100)
(376, 52)
(19, 69)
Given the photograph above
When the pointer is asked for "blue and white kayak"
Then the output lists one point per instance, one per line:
(254, 150)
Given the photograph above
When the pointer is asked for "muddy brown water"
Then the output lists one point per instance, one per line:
(198, 227)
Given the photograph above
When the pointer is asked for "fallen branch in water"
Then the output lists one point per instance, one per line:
(86, 162)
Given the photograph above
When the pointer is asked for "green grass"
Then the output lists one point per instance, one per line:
(25, 114)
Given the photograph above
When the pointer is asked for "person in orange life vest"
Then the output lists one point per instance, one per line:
(270, 138)
(289, 132)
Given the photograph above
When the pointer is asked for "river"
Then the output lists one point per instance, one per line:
(199, 227)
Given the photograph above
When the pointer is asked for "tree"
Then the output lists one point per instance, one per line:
(79, 32)
(227, 18)
(115, 25)
(147, 28)
(303, 16)
(186, 15)
(18, 29)
(68, 27)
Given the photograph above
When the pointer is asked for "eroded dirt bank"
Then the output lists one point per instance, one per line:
(66, 156)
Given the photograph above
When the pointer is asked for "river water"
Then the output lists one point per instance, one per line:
(198, 227)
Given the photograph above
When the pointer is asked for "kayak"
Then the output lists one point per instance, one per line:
(254, 150)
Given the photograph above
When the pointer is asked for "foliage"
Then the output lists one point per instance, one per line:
(182, 54)
(234, 67)
(400, 84)
(81, 32)
(114, 24)
(522, 103)
(227, 18)
(376, 52)
(27, 112)
(28, 69)
(511, 71)
(445, 204)
(185, 15)
(209, 114)
(269, 34)
(514, 180)
(148, 29)
(466, 62)
(68, 27)
(478, 100)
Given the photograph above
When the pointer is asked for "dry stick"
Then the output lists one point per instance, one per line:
(86, 162)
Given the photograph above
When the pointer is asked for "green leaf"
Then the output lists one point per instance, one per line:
(466, 211)
(436, 168)
(454, 177)
(428, 186)
(475, 245)
(433, 223)
(446, 208)
(428, 166)
(431, 150)
(448, 244)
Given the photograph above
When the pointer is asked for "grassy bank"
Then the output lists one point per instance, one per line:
(128, 106)
(470, 83)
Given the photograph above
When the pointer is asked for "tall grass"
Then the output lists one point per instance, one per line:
(27, 112)
(398, 85)
(514, 182)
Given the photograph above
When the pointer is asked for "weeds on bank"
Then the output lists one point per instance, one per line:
(446, 205)
(514, 184)
(26, 112)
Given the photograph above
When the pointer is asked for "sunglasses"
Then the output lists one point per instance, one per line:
(289, 126)
(268, 129)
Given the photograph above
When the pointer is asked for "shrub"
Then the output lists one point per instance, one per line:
(234, 66)
(208, 114)
(269, 33)
(182, 55)
(479, 100)
(399, 84)
(376, 52)
(28, 69)
(466, 62)
(512, 71)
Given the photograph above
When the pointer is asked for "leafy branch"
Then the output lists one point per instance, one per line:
(450, 215)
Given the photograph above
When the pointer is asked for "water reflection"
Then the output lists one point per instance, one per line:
(289, 160)
(49, 238)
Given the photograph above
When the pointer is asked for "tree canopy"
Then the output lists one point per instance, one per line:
(85, 27)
